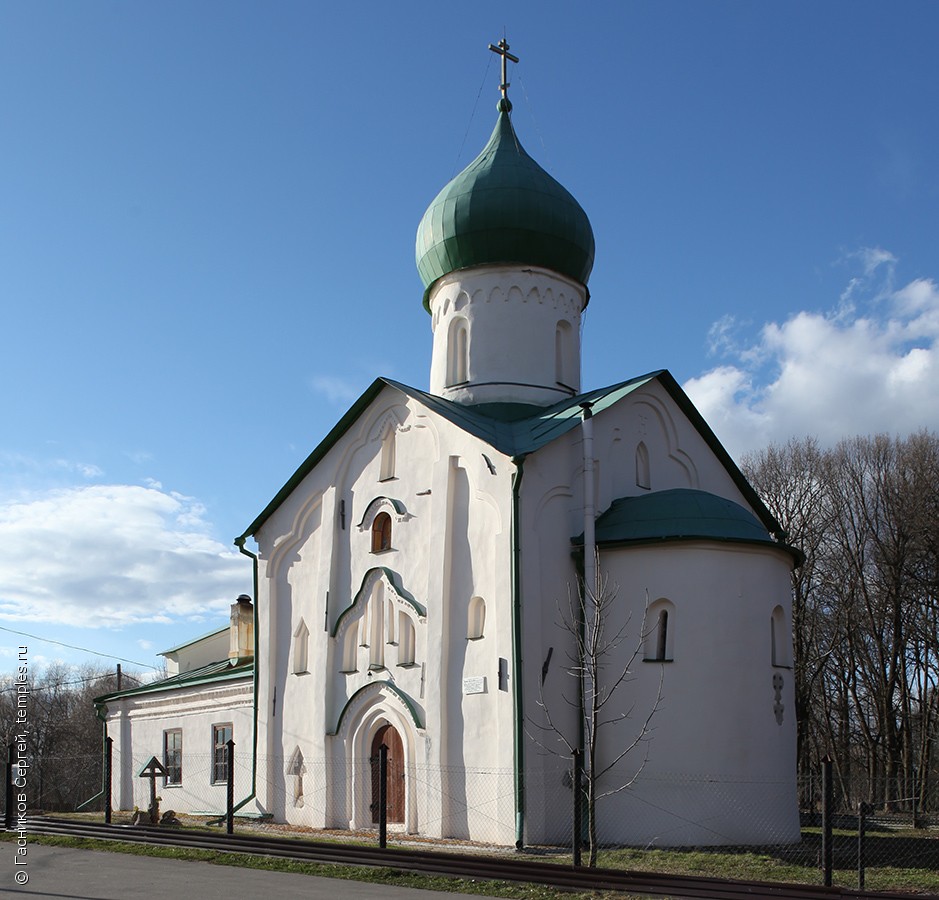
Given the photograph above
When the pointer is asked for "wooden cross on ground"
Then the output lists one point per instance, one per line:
(502, 48)
(153, 770)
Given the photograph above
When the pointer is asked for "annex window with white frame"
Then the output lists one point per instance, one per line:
(221, 735)
(173, 756)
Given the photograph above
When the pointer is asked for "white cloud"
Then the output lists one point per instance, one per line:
(113, 555)
(336, 390)
(867, 366)
(18, 462)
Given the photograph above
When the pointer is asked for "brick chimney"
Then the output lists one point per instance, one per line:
(241, 630)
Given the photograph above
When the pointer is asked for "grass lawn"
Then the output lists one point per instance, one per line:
(897, 860)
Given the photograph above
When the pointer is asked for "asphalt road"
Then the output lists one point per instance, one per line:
(62, 873)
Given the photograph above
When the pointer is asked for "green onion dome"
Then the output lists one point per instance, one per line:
(504, 208)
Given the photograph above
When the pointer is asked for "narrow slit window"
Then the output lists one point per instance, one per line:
(660, 627)
(387, 470)
(476, 618)
(350, 648)
(457, 351)
(661, 637)
(376, 638)
(779, 638)
(643, 479)
(564, 354)
(301, 648)
(405, 640)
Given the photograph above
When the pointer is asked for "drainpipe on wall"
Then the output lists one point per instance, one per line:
(590, 564)
(519, 750)
(240, 544)
(101, 713)
(590, 504)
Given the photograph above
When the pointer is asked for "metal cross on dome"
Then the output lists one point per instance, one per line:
(502, 48)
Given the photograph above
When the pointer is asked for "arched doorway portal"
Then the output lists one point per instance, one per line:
(388, 735)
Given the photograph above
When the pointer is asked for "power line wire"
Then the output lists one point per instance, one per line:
(36, 637)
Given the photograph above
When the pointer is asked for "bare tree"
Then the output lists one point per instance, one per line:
(599, 661)
(866, 608)
(64, 737)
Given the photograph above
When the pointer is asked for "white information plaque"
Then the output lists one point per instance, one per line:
(476, 684)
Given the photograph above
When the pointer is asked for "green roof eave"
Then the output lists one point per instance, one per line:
(498, 425)
(182, 646)
(307, 466)
(224, 670)
(680, 514)
(506, 429)
(394, 580)
(675, 391)
(408, 704)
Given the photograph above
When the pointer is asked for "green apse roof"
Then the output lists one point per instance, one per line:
(504, 208)
(679, 514)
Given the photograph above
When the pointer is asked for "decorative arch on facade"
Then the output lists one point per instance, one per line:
(659, 639)
(390, 410)
(373, 619)
(394, 509)
(366, 712)
(663, 418)
(300, 529)
(394, 591)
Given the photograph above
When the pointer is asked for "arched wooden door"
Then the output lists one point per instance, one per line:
(388, 736)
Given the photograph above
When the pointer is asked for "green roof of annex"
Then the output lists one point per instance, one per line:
(503, 208)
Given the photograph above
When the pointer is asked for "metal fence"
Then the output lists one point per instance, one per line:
(474, 810)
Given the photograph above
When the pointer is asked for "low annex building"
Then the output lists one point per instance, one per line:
(413, 573)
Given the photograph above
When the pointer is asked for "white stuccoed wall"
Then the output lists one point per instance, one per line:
(721, 767)
(512, 316)
(449, 545)
(137, 723)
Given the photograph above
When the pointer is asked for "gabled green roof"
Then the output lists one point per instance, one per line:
(504, 208)
(223, 670)
(679, 514)
(516, 430)
(189, 643)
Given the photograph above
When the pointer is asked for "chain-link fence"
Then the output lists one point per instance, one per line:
(676, 823)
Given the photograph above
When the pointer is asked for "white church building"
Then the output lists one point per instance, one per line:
(412, 578)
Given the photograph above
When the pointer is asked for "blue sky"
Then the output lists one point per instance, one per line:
(207, 219)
